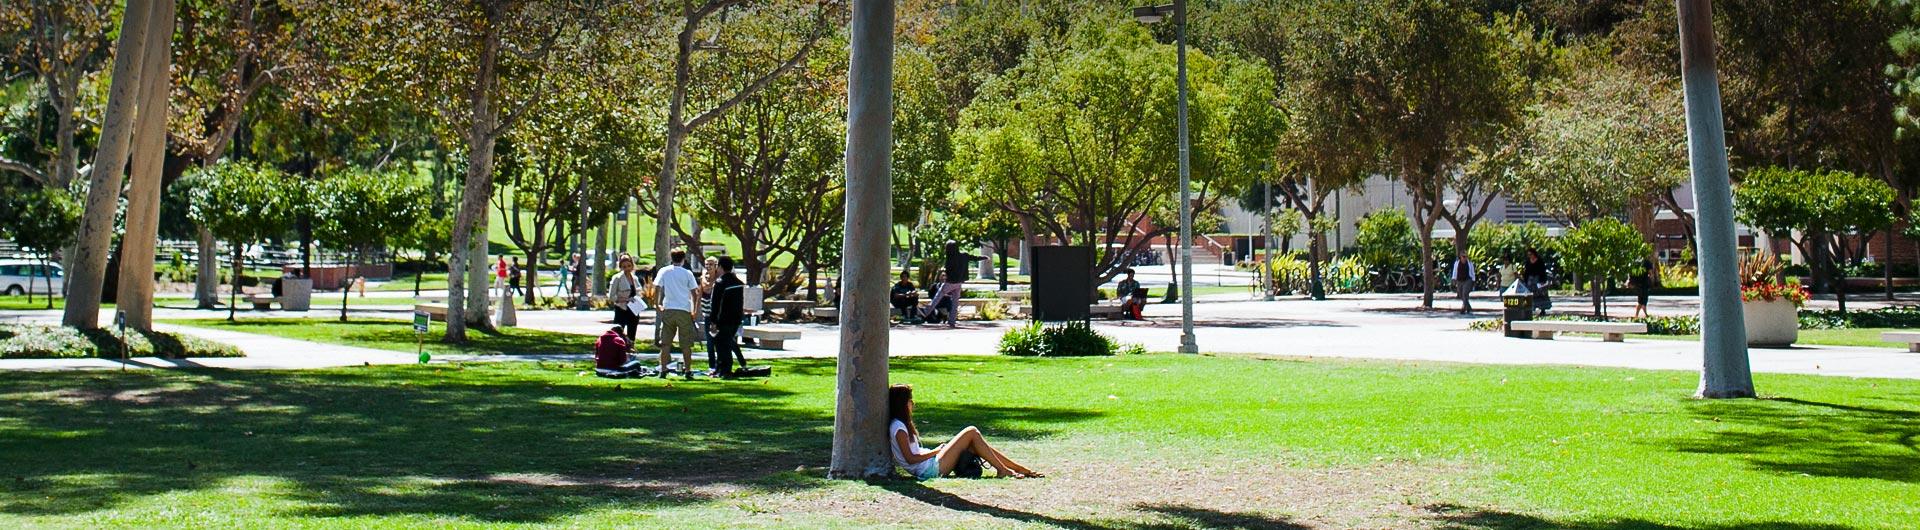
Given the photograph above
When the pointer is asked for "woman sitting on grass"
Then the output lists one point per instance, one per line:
(923, 463)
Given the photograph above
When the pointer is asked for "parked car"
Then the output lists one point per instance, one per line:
(18, 277)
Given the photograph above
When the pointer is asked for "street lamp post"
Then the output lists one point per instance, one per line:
(1266, 241)
(1149, 15)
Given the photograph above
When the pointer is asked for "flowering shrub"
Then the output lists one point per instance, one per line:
(1760, 281)
(1790, 291)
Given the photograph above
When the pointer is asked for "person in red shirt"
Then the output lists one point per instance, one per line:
(610, 355)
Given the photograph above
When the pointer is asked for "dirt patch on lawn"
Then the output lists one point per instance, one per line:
(1148, 494)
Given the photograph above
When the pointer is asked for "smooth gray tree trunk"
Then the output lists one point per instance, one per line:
(1725, 372)
(135, 296)
(89, 266)
(860, 417)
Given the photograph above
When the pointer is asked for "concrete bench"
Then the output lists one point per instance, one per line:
(1104, 310)
(1912, 338)
(1609, 331)
(826, 313)
(262, 302)
(769, 337)
(978, 305)
(1015, 296)
(434, 311)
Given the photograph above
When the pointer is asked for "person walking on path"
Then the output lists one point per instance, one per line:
(1534, 275)
(622, 292)
(677, 287)
(560, 288)
(728, 300)
(1463, 279)
(513, 277)
(1642, 284)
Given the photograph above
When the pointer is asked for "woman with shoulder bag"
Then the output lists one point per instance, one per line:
(624, 294)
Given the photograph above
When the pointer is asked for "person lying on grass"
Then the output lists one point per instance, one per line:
(938, 462)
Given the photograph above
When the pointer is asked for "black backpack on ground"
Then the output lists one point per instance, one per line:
(969, 466)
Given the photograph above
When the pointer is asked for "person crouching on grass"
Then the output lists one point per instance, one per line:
(923, 463)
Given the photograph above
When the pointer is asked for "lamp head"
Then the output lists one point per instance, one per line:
(1152, 14)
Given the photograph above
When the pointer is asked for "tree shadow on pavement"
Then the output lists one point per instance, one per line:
(501, 442)
(1793, 436)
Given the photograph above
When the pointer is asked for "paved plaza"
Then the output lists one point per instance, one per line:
(1387, 327)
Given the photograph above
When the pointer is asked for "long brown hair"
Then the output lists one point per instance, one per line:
(898, 399)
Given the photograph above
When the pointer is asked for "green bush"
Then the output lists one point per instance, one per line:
(1073, 339)
(1386, 240)
(1885, 317)
(60, 342)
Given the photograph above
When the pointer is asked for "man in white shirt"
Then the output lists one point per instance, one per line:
(677, 286)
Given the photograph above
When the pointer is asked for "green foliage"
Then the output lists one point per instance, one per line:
(1606, 138)
(48, 342)
(1781, 200)
(1386, 240)
(357, 209)
(1904, 317)
(243, 202)
(40, 219)
(1072, 339)
(1494, 243)
(1079, 138)
(1602, 250)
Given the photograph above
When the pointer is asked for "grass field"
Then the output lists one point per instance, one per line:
(1137, 442)
(1868, 337)
(397, 335)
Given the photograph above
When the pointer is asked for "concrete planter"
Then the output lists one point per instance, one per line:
(296, 294)
(1771, 324)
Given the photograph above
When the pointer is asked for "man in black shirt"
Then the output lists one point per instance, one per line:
(906, 299)
(728, 299)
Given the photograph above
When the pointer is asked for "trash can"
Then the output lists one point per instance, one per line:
(1519, 303)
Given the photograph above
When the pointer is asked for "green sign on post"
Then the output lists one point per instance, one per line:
(421, 321)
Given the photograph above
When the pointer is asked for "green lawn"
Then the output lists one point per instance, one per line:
(397, 335)
(1139, 442)
(1869, 337)
(40, 302)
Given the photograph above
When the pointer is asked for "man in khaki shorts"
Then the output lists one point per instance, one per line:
(677, 286)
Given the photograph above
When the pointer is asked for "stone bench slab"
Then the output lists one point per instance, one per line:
(1911, 338)
(772, 338)
(1610, 331)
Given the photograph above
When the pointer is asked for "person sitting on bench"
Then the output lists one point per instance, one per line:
(946, 300)
(1132, 297)
(906, 299)
(1131, 308)
(610, 357)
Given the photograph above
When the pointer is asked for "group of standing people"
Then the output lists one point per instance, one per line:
(1533, 276)
(680, 298)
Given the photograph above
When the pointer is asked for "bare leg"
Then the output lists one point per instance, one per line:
(970, 439)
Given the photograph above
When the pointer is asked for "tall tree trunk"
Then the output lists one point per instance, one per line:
(478, 280)
(1725, 371)
(860, 447)
(599, 260)
(475, 191)
(89, 267)
(137, 242)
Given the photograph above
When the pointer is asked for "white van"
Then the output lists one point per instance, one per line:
(18, 277)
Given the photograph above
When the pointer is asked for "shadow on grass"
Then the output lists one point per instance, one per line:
(504, 442)
(398, 335)
(1171, 516)
(1793, 436)
(1453, 517)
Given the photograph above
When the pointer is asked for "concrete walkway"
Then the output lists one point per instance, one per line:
(1353, 326)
